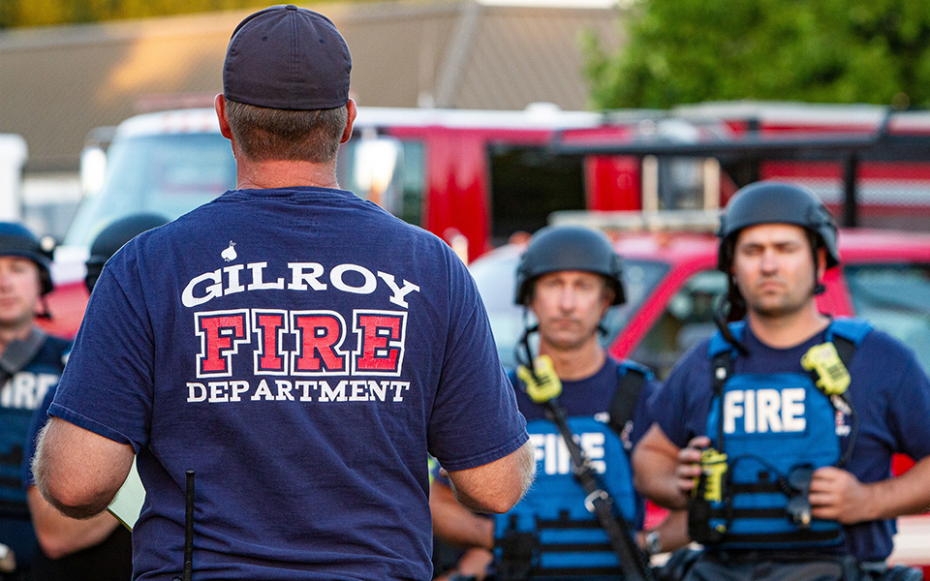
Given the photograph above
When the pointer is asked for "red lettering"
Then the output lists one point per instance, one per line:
(269, 325)
(220, 335)
(319, 336)
(381, 342)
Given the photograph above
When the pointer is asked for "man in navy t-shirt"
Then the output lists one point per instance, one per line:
(568, 277)
(778, 432)
(300, 349)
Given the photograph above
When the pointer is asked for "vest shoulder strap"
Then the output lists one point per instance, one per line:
(720, 345)
(630, 383)
(846, 334)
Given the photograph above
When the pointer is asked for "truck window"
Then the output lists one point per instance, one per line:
(527, 185)
(688, 318)
(168, 174)
(896, 299)
(388, 171)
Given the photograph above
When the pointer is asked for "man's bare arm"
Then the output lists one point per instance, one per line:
(60, 535)
(836, 494)
(497, 486)
(663, 471)
(456, 524)
(78, 471)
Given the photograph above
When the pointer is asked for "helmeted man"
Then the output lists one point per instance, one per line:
(569, 276)
(777, 433)
(31, 362)
(98, 548)
(299, 349)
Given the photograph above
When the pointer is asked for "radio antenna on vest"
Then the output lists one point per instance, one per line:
(188, 571)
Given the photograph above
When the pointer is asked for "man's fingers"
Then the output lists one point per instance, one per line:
(699, 442)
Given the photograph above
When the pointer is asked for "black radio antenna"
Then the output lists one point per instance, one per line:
(188, 571)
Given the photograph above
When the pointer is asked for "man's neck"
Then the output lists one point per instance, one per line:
(577, 363)
(262, 175)
(788, 330)
(10, 334)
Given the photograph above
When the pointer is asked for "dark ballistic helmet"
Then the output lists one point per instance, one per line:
(558, 248)
(113, 237)
(775, 203)
(17, 240)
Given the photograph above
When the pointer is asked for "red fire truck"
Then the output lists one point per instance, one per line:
(476, 177)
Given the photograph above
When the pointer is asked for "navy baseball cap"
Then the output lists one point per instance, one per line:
(285, 57)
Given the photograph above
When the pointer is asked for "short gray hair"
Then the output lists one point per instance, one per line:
(276, 134)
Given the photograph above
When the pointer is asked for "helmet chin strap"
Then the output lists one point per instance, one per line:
(46, 313)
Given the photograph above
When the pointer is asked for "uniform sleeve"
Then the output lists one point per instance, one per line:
(909, 409)
(475, 419)
(107, 386)
(642, 416)
(680, 405)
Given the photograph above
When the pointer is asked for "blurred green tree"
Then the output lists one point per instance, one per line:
(837, 51)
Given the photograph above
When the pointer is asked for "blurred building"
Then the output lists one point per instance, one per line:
(57, 84)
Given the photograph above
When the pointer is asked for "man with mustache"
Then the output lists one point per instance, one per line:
(778, 432)
(568, 277)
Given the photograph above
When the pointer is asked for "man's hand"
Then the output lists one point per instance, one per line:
(689, 463)
(838, 495)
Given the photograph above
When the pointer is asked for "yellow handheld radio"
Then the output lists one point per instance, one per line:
(833, 378)
(542, 385)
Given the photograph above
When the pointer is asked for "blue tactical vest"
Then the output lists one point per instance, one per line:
(39, 368)
(775, 430)
(558, 535)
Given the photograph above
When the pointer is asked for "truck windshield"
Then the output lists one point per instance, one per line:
(168, 174)
(495, 275)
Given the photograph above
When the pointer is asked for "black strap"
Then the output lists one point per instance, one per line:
(721, 369)
(801, 536)
(626, 396)
(618, 530)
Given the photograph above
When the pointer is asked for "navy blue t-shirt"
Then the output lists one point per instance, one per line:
(591, 397)
(303, 351)
(889, 392)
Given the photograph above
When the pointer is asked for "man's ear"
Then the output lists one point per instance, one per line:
(821, 262)
(219, 103)
(353, 112)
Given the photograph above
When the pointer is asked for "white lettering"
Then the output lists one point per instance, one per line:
(218, 391)
(358, 390)
(305, 386)
(214, 290)
(335, 277)
(792, 409)
(765, 410)
(303, 276)
(258, 280)
(284, 390)
(330, 394)
(238, 387)
(731, 410)
(232, 276)
(263, 391)
(299, 276)
(377, 391)
(399, 386)
(769, 408)
(750, 410)
(399, 293)
(192, 394)
(593, 445)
